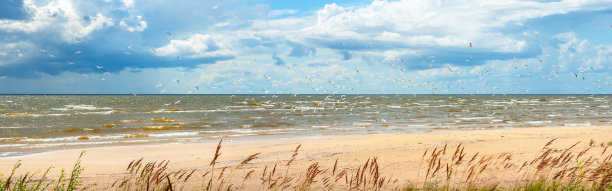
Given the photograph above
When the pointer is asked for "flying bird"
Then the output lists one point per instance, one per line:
(101, 68)
(574, 74)
(78, 52)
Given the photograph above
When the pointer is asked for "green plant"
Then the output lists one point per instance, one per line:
(26, 182)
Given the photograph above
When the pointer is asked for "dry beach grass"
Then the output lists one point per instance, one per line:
(516, 159)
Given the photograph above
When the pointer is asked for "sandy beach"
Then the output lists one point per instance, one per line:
(400, 156)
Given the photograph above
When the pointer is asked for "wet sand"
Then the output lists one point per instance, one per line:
(399, 156)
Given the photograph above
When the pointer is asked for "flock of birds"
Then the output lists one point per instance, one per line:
(348, 80)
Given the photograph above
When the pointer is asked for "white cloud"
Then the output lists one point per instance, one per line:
(133, 23)
(128, 3)
(12, 51)
(437, 73)
(429, 24)
(440, 23)
(282, 12)
(59, 18)
(565, 56)
(196, 46)
(580, 55)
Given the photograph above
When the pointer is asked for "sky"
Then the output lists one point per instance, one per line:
(305, 47)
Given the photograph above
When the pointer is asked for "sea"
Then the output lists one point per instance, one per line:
(40, 123)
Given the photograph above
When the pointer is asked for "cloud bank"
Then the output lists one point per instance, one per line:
(405, 46)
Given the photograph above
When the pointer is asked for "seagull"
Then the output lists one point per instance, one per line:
(78, 52)
(266, 77)
(574, 74)
(310, 78)
(101, 68)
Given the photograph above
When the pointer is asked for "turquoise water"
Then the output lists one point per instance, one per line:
(33, 123)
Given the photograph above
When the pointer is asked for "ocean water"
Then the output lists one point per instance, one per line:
(35, 123)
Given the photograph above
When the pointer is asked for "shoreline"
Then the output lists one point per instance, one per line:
(397, 152)
(251, 138)
(248, 139)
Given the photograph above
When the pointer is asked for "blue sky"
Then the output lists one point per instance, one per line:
(305, 47)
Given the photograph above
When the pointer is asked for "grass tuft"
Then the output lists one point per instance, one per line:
(571, 168)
